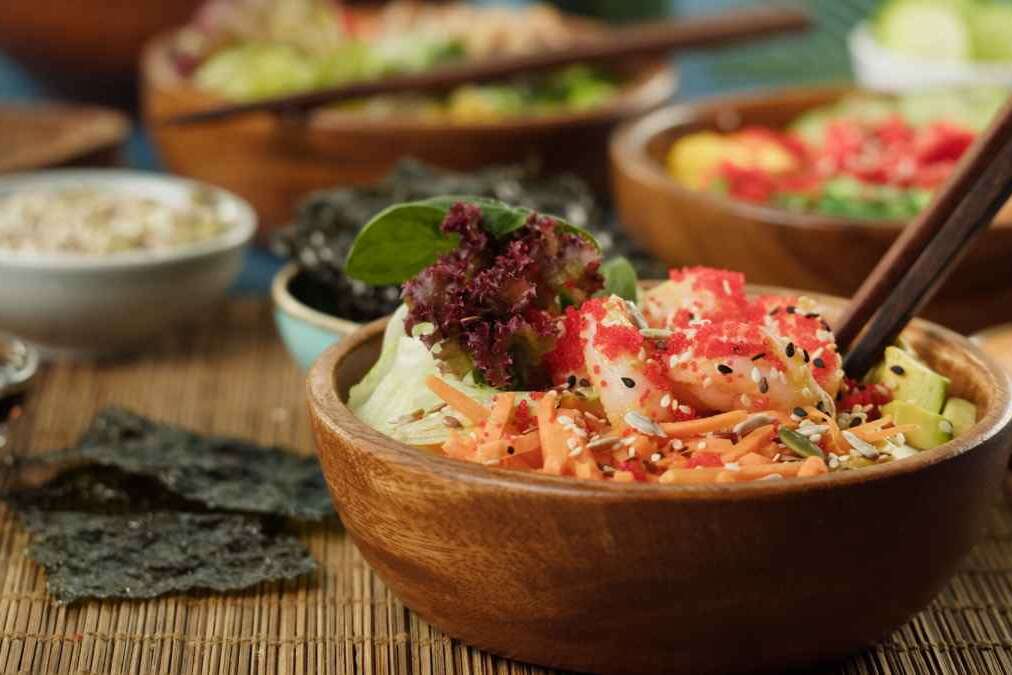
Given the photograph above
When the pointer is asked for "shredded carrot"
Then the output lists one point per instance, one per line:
(704, 425)
(502, 411)
(526, 443)
(726, 477)
(785, 469)
(713, 445)
(687, 476)
(553, 436)
(751, 443)
(812, 466)
(456, 399)
(753, 459)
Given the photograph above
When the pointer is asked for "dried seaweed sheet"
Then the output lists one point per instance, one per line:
(102, 533)
(92, 555)
(221, 473)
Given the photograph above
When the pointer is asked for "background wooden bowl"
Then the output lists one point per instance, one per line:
(274, 162)
(88, 42)
(39, 136)
(607, 577)
(773, 246)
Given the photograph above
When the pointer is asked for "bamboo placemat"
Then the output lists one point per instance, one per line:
(235, 378)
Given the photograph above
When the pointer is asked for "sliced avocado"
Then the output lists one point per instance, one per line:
(962, 414)
(911, 381)
(932, 429)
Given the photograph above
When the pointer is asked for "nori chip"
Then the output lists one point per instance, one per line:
(221, 473)
(91, 555)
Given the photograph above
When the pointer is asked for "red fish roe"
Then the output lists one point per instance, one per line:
(567, 357)
(615, 340)
(522, 416)
(705, 459)
(861, 394)
(635, 468)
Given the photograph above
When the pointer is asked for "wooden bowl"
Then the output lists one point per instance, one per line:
(53, 135)
(98, 42)
(682, 226)
(274, 162)
(628, 578)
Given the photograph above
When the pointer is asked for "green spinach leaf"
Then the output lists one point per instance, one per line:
(402, 240)
(619, 278)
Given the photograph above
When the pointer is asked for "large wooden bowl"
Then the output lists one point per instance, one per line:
(274, 162)
(609, 577)
(682, 226)
(94, 40)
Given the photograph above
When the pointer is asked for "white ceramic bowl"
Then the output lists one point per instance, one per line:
(87, 305)
(879, 68)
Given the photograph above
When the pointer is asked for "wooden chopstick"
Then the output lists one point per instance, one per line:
(928, 250)
(635, 41)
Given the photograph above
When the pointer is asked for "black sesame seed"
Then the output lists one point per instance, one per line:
(800, 412)
(839, 395)
(790, 350)
(584, 382)
(856, 422)
(774, 311)
(812, 315)
(510, 450)
(819, 363)
(764, 386)
(825, 325)
(727, 370)
(629, 382)
(571, 381)
(898, 370)
(820, 406)
(791, 309)
(758, 356)
(805, 353)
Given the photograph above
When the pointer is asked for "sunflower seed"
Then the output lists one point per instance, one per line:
(752, 423)
(643, 424)
(864, 448)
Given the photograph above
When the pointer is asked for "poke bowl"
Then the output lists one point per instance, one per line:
(274, 161)
(562, 502)
(100, 262)
(819, 249)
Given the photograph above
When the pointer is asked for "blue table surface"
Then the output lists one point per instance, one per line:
(700, 74)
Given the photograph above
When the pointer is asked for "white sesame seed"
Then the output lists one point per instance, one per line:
(673, 361)
(572, 443)
(701, 445)
(755, 374)
(815, 438)
(666, 400)
(564, 419)
(685, 409)
(656, 457)
(628, 440)
(727, 287)
(707, 381)
(677, 444)
(632, 452)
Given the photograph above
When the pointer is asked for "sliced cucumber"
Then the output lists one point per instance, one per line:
(936, 30)
(991, 31)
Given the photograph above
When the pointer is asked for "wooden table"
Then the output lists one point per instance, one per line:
(234, 377)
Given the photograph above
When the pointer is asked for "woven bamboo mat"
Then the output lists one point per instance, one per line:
(235, 378)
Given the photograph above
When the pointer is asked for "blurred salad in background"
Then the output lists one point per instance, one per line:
(866, 156)
(946, 30)
(246, 50)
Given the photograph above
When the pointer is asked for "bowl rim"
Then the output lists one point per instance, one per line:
(238, 234)
(328, 410)
(649, 86)
(628, 153)
(288, 304)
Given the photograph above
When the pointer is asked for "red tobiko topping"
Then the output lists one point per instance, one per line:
(853, 393)
(492, 301)
(705, 459)
(522, 416)
(615, 340)
(567, 357)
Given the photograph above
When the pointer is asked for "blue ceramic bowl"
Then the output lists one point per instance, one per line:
(306, 332)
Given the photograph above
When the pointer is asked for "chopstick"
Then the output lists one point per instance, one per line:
(928, 250)
(635, 41)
